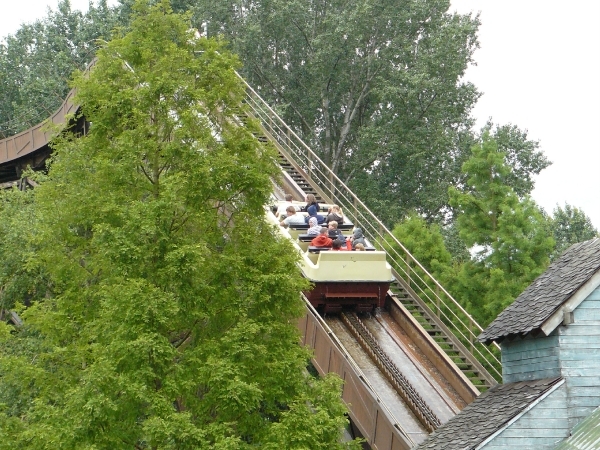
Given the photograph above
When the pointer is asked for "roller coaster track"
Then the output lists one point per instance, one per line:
(454, 330)
(395, 376)
(443, 330)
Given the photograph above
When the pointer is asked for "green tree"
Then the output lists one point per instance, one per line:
(18, 282)
(570, 225)
(454, 244)
(426, 243)
(522, 155)
(169, 316)
(507, 235)
(374, 86)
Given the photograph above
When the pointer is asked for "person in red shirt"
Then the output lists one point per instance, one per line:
(339, 245)
(322, 240)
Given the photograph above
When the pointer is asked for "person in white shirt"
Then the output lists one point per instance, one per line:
(293, 218)
(282, 208)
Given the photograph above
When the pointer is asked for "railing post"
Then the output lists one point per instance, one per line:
(471, 334)
(331, 186)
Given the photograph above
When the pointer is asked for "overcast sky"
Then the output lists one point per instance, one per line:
(538, 68)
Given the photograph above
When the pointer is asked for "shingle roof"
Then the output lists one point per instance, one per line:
(585, 436)
(489, 413)
(547, 293)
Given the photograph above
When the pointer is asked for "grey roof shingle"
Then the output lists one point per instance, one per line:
(487, 414)
(547, 293)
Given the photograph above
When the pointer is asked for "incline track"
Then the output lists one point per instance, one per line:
(457, 353)
(402, 385)
(418, 396)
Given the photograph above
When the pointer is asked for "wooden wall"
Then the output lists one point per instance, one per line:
(530, 359)
(579, 345)
(540, 428)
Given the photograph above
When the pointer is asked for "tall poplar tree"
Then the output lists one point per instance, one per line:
(168, 318)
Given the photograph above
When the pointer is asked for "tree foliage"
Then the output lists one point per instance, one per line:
(425, 242)
(18, 282)
(570, 225)
(522, 155)
(374, 86)
(163, 324)
(508, 235)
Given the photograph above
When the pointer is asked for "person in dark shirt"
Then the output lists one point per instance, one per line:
(334, 233)
(312, 208)
(339, 245)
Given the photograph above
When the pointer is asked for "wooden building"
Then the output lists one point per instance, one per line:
(550, 341)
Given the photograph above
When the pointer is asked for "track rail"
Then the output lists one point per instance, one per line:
(368, 411)
(30, 147)
(402, 385)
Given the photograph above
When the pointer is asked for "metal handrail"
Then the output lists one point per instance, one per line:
(333, 190)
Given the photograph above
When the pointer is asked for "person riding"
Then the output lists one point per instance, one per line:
(312, 208)
(339, 245)
(322, 240)
(283, 206)
(315, 228)
(334, 233)
(335, 214)
(358, 237)
(292, 217)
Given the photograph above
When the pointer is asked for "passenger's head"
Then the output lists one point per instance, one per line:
(324, 230)
(359, 247)
(313, 222)
(290, 210)
(357, 233)
(310, 198)
(289, 197)
(333, 225)
(336, 209)
(337, 244)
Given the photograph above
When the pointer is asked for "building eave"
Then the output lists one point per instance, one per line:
(569, 306)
